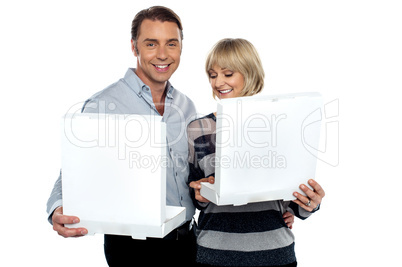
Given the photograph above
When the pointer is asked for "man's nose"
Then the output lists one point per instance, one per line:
(162, 53)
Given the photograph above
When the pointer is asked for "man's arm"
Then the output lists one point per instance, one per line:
(56, 216)
(56, 198)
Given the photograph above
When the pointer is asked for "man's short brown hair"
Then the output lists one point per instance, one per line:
(153, 13)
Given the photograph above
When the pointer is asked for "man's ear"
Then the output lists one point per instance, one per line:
(134, 48)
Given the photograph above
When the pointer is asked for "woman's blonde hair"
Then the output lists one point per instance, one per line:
(238, 55)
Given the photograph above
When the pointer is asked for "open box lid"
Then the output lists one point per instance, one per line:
(266, 147)
(114, 174)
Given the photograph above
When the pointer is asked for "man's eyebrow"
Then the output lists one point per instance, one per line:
(173, 40)
(157, 41)
(150, 40)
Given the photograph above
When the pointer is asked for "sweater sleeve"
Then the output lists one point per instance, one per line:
(195, 171)
(299, 212)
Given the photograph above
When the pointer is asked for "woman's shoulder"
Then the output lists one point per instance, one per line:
(201, 126)
(202, 120)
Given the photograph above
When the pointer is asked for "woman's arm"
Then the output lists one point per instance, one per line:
(304, 206)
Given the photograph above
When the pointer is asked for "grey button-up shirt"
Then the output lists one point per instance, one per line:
(131, 96)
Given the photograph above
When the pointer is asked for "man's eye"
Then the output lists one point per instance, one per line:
(151, 45)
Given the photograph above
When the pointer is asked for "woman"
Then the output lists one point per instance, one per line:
(254, 234)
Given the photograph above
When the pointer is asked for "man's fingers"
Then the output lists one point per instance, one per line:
(59, 220)
(69, 232)
(64, 219)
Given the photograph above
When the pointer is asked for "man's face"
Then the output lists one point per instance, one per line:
(159, 49)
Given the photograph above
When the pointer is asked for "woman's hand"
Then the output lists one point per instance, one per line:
(289, 219)
(197, 186)
(312, 199)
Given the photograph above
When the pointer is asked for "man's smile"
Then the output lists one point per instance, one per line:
(161, 67)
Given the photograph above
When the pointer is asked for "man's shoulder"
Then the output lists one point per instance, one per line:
(114, 95)
(118, 87)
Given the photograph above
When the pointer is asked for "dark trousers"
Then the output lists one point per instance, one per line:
(177, 248)
(288, 265)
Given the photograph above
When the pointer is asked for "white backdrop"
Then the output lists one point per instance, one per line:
(55, 54)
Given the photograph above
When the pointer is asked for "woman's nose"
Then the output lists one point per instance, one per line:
(219, 81)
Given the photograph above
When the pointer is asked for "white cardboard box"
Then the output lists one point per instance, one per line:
(262, 147)
(114, 175)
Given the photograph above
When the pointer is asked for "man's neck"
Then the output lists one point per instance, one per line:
(158, 91)
(158, 97)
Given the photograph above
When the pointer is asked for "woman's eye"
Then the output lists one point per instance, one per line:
(229, 75)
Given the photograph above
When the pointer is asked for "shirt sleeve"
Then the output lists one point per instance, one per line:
(56, 198)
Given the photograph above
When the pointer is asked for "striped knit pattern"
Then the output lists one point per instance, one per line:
(250, 235)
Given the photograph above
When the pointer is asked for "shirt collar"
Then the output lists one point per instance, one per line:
(138, 86)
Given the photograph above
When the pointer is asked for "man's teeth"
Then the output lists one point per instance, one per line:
(161, 66)
(225, 91)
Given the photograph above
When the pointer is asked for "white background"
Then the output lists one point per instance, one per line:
(55, 54)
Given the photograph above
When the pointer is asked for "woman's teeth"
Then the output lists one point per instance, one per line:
(225, 91)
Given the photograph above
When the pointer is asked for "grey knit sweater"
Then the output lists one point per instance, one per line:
(250, 235)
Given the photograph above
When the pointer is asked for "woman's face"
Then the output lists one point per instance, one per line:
(225, 83)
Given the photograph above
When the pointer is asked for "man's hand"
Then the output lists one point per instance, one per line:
(59, 220)
(197, 186)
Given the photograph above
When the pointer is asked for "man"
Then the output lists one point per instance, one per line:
(157, 43)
